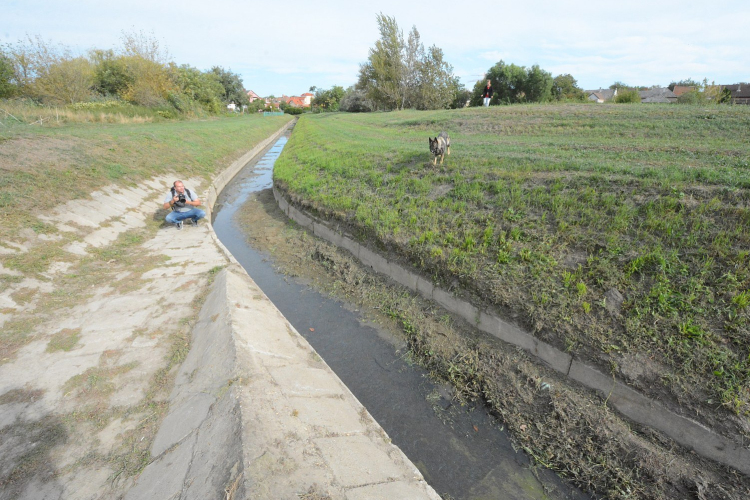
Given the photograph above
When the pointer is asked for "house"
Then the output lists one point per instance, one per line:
(740, 93)
(297, 102)
(231, 107)
(307, 97)
(657, 94)
(252, 96)
(600, 95)
(682, 89)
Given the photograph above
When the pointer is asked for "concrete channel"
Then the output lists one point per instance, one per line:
(256, 413)
(463, 452)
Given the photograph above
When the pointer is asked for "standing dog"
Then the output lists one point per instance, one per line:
(441, 146)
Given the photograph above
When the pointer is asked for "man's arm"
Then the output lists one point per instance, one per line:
(168, 204)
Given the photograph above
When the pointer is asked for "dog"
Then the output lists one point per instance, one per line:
(440, 146)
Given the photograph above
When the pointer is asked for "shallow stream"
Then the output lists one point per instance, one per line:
(463, 453)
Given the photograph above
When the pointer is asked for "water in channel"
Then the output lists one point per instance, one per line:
(464, 457)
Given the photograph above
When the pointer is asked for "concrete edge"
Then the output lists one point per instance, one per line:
(197, 451)
(627, 401)
(199, 448)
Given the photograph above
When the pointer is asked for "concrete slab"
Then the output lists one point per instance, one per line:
(181, 422)
(306, 381)
(357, 461)
(165, 476)
(389, 491)
(331, 415)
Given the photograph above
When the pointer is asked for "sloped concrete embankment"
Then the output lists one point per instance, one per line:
(256, 413)
(627, 401)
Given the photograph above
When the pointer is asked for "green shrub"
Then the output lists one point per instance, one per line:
(627, 97)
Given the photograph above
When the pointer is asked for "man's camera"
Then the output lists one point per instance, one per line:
(180, 200)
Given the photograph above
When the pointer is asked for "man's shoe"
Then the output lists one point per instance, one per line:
(179, 225)
(194, 221)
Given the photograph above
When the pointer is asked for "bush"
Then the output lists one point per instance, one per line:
(7, 87)
(291, 110)
(355, 101)
(693, 97)
(628, 97)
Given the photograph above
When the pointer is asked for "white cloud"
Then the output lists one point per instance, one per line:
(286, 47)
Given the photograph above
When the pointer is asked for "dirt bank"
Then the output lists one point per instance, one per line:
(562, 427)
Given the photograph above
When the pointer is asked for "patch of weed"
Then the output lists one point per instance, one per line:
(64, 340)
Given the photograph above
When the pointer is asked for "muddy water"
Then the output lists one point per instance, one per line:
(462, 452)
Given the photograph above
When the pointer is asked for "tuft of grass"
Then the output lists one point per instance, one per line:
(64, 340)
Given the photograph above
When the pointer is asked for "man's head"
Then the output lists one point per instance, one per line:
(179, 187)
(488, 83)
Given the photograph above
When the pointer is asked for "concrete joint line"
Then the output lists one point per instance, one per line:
(627, 401)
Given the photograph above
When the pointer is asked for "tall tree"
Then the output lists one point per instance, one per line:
(565, 87)
(513, 84)
(538, 85)
(7, 77)
(328, 100)
(382, 75)
(437, 86)
(401, 74)
(234, 91)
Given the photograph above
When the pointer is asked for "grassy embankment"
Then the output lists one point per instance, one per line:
(64, 156)
(44, 166)
(617, 233)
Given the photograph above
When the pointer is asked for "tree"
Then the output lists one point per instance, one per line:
(687, 82)
(149, 82)
(462, 97)
(355, 101)
(48, 73)
(328, 100)
(144, 46)
(538, 85)
(382, 75)
(202, 87)
(565, 88)
(628, 96)
(111, 77)
(508, 82)
(7, 80)
(66, 82)
(436, 86)
(234, 91)
(401, 74)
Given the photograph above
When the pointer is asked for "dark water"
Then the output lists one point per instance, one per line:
(462, 453)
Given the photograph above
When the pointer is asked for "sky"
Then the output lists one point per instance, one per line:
(284, 48)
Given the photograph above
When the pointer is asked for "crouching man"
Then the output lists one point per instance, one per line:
(183, 203)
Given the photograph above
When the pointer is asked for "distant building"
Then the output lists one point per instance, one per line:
(658, 94)
(601, 95)
(682, 89)
(231, 106)
(252, 96)
(297, 102)
(307, 97)
(740, 93)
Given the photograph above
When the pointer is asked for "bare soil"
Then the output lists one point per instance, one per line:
(562, 427)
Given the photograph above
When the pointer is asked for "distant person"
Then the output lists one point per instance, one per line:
(183, 203)
(487, 94)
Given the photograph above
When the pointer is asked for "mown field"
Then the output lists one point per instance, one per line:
(618, 233)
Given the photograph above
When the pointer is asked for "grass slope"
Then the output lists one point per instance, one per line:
(45, 166)
(618, 233)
